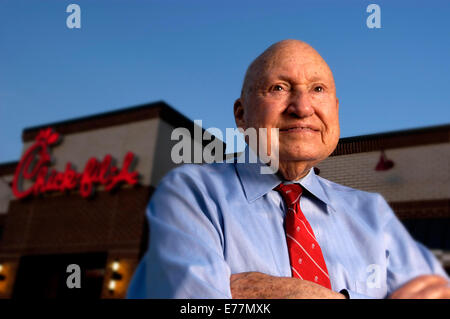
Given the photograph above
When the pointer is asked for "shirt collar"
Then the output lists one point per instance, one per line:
(312, 183)
(257, 185)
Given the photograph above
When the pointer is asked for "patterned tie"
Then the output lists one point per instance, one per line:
(305, 255)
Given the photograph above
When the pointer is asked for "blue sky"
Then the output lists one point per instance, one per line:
(193, 55)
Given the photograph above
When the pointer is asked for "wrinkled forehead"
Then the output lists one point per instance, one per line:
(292, 57)
(298, 62)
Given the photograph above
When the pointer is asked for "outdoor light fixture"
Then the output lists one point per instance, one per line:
(115, 276)
(115, 265)
(112, 286)
(384, 163)
(2, 277)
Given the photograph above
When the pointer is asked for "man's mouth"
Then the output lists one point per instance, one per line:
(299, 128)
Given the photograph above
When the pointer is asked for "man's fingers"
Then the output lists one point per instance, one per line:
(423, 282)
(417, 285)
(434, 292)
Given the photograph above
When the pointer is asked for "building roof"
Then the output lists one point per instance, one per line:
(394, 139)
(8, 168)
(147, 111)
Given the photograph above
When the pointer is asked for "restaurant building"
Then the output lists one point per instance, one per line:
(77, 196)
(90, 210)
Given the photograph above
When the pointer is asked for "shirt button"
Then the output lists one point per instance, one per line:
(298, 228)
(312, 246)
(300, 260)
(316, 278)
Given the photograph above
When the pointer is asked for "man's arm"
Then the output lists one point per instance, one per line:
(185, 255)
(413, 271)
(256, 285)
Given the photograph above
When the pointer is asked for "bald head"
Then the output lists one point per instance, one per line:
(285, 49)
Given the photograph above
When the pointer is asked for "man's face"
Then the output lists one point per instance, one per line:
(294, 91)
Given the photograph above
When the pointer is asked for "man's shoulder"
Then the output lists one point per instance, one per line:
(196, 185)
(338, 187)
(200, 173)
(352, 194)
(369, 207)
(202, 169)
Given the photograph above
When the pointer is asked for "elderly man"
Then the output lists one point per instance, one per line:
(225, 230)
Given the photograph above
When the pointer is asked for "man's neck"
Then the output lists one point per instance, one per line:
(292, 170)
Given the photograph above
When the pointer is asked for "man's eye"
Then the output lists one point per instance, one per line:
(277, 88)
(318, 88)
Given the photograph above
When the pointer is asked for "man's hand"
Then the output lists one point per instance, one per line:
(256, 285)
(423, 287)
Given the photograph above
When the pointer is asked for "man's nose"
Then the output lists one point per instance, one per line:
(300, 104)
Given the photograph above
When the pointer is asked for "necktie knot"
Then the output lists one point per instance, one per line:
(290, 192)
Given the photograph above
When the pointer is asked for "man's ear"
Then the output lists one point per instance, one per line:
(239, 114)
(337, 104)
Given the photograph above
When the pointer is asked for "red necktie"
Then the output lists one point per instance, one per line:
(305, 255)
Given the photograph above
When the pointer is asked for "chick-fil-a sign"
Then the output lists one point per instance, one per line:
(34, 166)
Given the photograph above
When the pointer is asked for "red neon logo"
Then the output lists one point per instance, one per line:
(34, 166)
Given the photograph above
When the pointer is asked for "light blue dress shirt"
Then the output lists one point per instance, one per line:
(213, 220)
